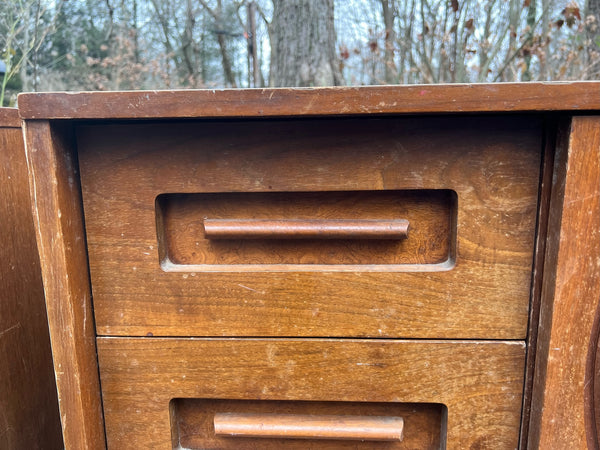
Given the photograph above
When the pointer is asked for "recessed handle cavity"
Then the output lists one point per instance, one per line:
(298, 426)
(305, 229)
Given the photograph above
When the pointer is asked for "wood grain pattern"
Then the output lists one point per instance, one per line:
(414, 99)
(61, 242)
(184, 247)
(192, 423)
(562, 407)
(9, 118)
(491, 163)
(553, 127)
(283, 229)
(480, 382)
(29, 417)
(593, 372)
(309, 426)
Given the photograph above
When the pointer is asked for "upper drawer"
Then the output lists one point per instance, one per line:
(467, 187)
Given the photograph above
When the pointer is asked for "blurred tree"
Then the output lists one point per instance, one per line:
(153, 44)
(592, 22)
(24, 27)
(303, 51)
(389, 15)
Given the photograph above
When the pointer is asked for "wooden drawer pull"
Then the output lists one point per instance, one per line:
(296, 426)
(305, 229)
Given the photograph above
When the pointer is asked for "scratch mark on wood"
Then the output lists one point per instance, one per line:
(8, 330)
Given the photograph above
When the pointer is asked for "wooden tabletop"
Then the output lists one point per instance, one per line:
(284, 102)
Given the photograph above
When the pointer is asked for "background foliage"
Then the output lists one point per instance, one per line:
(165, 44)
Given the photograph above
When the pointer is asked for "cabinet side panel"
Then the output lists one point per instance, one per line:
(29, 411)
(56, 198)
(547, 166)
(561, 408)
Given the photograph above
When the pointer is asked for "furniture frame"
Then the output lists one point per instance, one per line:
(551, 346)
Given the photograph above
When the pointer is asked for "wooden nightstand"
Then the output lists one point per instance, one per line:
(235, 261)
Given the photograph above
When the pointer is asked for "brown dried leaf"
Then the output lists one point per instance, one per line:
(454, 5)
(571, 12)
(344, 52)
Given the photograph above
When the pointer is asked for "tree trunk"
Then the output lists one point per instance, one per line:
(303, 45)
(389, 11)
(217, 14)
(592, 30)
(26, 46)
(187, 44)
(531, 19)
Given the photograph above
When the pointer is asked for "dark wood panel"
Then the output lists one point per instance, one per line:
(553, 127)
(492, 164)
(593, 367)
(192, 423)
(58, 218)
(495, 97)
(562, 407)
(9, 118)
(29, 417)
(481, 383)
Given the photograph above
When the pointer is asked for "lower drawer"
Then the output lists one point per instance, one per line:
(164, 392)
(269, 424)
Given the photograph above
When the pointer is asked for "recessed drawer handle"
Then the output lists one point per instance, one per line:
(297, 426)
(305, 229)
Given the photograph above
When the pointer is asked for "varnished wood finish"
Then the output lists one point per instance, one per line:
(491, 163)
(183, 247)
(562, 407)
(54, 183)
(9, 118)
(594, 397)
(552, 125)
(480, 382)
(29, 417)
(192, 423)
(143, 182)
(297, 426)
(454, 98)
(306, 229)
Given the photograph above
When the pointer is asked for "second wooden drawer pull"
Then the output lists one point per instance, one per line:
(305, 229)
(298, 426)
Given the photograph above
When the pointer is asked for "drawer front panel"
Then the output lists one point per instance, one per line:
(145, 382)
(476, 286)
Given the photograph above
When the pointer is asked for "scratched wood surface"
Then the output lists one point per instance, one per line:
(29, 417)
(497, 97)
(562, 414)
(480, 382)
(192, 423)
(491, 163)
(61, 243)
